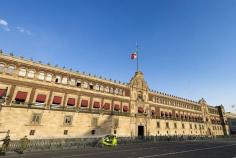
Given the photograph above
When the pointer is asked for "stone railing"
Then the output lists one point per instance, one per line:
(83, 143)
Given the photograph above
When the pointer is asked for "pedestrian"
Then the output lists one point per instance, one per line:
(23, 144)
(6, 142)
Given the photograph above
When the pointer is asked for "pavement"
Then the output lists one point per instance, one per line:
(188, 149)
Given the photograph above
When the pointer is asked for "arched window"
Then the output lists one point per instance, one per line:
(120, 92)
(49, 77)
(30, 74)
(107, 89)
(41, 76)
(111, 90)
(85, 85)
(2, 67)
(58, 79)
(78, 83)
(64, 80)
(116, 91)
(96, 87)
(72, 81)
(101, 88)
(10, 69)
(22, 72)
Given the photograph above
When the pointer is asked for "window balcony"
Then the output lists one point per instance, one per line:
(19, 104)
(56, 107)
(38, 105)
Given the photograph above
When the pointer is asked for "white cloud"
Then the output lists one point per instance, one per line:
(4, 25)
(22, 30)
(3, 22)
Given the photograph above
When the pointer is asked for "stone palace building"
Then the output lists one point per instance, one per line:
(44, 101)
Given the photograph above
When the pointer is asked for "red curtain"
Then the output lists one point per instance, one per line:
(41, 98)
(116, 107)
(21, 96)
(57, 100)
(140, 110)
(125, 108)
(84, 103)
(106, 106)
(96, 104)
(2, 92)
(71, 102)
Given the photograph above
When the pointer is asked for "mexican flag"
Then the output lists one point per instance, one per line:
(133, 55)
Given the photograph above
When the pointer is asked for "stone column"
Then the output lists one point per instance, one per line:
(64, 101)
(32, 94)
(11, 93)
(49, 100)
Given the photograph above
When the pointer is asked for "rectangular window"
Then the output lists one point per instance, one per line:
(21, 96)
(167, 125)
(195, 126)
(41, 98)
(36, 119)
(93, 132)
(56, 100)
(84, 103)
(32, 132)
(158, 124)
(191, 127)
(71, 102)
(67, 120)
(175, 125)
(2, 93)
(65, 132)
(183, 126)
(78, 83)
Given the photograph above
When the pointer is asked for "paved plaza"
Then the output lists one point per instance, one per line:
(193, 149)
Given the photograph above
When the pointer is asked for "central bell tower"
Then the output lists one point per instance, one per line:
(139, 92)
(139, 105)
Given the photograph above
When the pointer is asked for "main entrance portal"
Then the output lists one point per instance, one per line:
(140, 131)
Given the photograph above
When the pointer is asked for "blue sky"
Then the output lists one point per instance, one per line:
(187, 47)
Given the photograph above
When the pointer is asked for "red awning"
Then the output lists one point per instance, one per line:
(140, 110)
(2, 92)
(117, 107)
(71, 102)
(21, 96)
(57, 100)
(84, 103)
(41, 98)
(106, 106)
(125, 108)
(96, 104)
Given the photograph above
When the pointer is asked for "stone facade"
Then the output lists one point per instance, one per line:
(42, 101)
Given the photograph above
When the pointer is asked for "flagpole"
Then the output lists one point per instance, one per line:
(137, 55)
